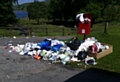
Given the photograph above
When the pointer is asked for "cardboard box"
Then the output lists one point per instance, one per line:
(103, 53)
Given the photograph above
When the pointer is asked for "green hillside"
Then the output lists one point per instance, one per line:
(22, 7)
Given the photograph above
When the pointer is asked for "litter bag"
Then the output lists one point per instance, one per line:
(74, 44)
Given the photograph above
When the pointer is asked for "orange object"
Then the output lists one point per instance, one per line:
(6, 47)
(37, 57)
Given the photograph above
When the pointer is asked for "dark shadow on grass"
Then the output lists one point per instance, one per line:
(95, 75)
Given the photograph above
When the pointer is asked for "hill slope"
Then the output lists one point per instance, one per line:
(22, 7)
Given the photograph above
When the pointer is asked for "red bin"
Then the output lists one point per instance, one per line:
(84, 28)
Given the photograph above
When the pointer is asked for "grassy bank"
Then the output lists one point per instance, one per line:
(112, 37)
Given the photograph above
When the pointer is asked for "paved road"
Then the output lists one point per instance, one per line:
(23, 40)
(16, 68)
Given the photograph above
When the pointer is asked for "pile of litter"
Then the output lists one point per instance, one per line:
(55, 50)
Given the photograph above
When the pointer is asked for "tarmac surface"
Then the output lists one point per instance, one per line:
(18, 68)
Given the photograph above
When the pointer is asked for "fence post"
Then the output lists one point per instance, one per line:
(10, 32)
(106, 26)
(46, 31)
(31, 31)
(63, 31)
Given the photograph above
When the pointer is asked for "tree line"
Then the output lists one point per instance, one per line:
(63, 10)
(7, 15)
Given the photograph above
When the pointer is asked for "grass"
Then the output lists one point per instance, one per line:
(40, 30)
(112, 37)
(111, 61)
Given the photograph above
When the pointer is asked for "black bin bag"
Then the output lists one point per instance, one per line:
(74, 43)
(82, 55)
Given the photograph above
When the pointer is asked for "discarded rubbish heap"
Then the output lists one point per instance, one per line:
(55, 50)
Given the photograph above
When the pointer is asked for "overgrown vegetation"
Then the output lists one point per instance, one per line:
(6, 15)
(102, 10)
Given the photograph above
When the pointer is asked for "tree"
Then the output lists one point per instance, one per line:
(36, 11)
(95, 10)
(56, 9)
(72, 8)
(35, 0)
(15, 2)
(7, 15)
(112, 12)
(68, 9)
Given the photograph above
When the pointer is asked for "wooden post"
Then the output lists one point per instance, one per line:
(46, 31)
(106, 26)
(63, 31)
(31, 31)
(10, 32)
(84, 37)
